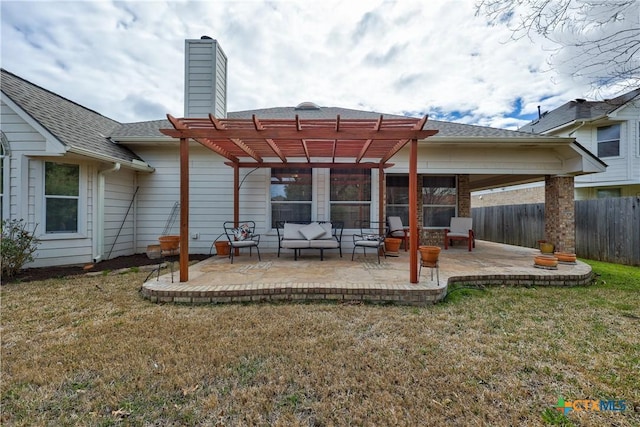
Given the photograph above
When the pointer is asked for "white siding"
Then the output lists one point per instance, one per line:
(211, 196)
(119, 214)
(28, 151)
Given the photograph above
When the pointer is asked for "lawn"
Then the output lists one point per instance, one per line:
(91, 351)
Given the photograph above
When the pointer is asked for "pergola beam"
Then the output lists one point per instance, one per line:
(311, 165)
(354, 134)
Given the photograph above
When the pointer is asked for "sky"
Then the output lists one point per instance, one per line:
(125, 59)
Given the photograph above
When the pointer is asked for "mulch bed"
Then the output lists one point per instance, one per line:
(137, 260)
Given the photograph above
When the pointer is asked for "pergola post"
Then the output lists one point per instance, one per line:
(184, 209)
(413, 211)
(381, 196)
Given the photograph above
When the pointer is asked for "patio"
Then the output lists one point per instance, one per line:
(216, 280)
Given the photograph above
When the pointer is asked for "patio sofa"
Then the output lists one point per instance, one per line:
(300, 235)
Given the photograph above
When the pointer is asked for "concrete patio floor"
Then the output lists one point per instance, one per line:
(216, 280)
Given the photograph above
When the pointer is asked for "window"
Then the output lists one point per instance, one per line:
(398, 197)
(609, 141)
(439, 199)
(605, 193)
(350, 196)
(290, 195)
(62, 190)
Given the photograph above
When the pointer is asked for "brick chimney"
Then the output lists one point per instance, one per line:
(205, 74)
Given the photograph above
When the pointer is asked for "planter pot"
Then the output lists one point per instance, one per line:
(154, 251)
(545, 248)
(222, 248)
(545, 261)
(169, 243)
(566, 257)
(429, 254)
(392, 246)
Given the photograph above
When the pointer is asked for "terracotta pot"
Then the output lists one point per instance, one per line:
(169, 243)
(392, 245)
(565, 257)
(545, 248)
(545, 260)
(154, 251)
(429, 254)
(222, 248)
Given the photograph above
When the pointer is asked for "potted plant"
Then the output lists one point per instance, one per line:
(169, 243)
(429, 254)
(545, 247)
(392, 246)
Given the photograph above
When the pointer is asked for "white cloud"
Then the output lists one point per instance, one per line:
(125, 59)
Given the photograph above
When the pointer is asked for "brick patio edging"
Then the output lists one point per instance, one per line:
(305, 292)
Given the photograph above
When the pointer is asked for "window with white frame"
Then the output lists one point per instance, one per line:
(62, 196)
(439, 199)
(291, 195)
(350, 191)
(609, 141)
(398, 196)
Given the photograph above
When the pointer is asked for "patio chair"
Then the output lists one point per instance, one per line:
(370, 237)
(461, 229)
(397, 230)
(240, 237)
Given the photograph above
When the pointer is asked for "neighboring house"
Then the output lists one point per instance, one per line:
(97, 189)
(609, 128)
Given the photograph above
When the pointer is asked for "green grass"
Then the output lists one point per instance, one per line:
(91, 351)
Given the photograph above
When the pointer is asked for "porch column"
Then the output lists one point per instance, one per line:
(184, 209)
(559, 213)
(413, 211)
(464, 196)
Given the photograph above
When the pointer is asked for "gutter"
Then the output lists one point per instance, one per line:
(135, 164)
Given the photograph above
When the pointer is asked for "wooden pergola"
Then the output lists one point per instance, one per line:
(300, 143)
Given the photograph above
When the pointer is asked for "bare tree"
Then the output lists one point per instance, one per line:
(597, 40)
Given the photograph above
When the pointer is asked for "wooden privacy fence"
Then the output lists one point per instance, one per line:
(606, 229)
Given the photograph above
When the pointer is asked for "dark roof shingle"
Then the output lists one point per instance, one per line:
(578, 109)
(71, 123)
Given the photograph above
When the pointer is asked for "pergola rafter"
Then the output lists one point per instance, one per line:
(300, 143)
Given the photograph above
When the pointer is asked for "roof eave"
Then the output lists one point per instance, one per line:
(134, 164)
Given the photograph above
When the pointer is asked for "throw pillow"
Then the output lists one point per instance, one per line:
(242, 232)
(312, 231)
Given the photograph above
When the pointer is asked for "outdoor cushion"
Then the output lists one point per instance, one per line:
(395, 226)
(368, 243)
(295, 243)
(243, 243)
(324, 243)
(292, 231)
(312, 231)
(327, 230)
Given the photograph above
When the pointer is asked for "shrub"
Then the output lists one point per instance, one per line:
(16, 247)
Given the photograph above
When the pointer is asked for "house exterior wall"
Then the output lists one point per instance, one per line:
(623, 171)
(30, 147)
(119, 214)
(211, 198)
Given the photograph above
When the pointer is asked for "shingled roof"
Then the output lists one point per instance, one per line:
(72, 124)
(150, 129)
(579, 109)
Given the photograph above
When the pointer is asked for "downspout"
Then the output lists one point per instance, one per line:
(582, 123)
(98, 245)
